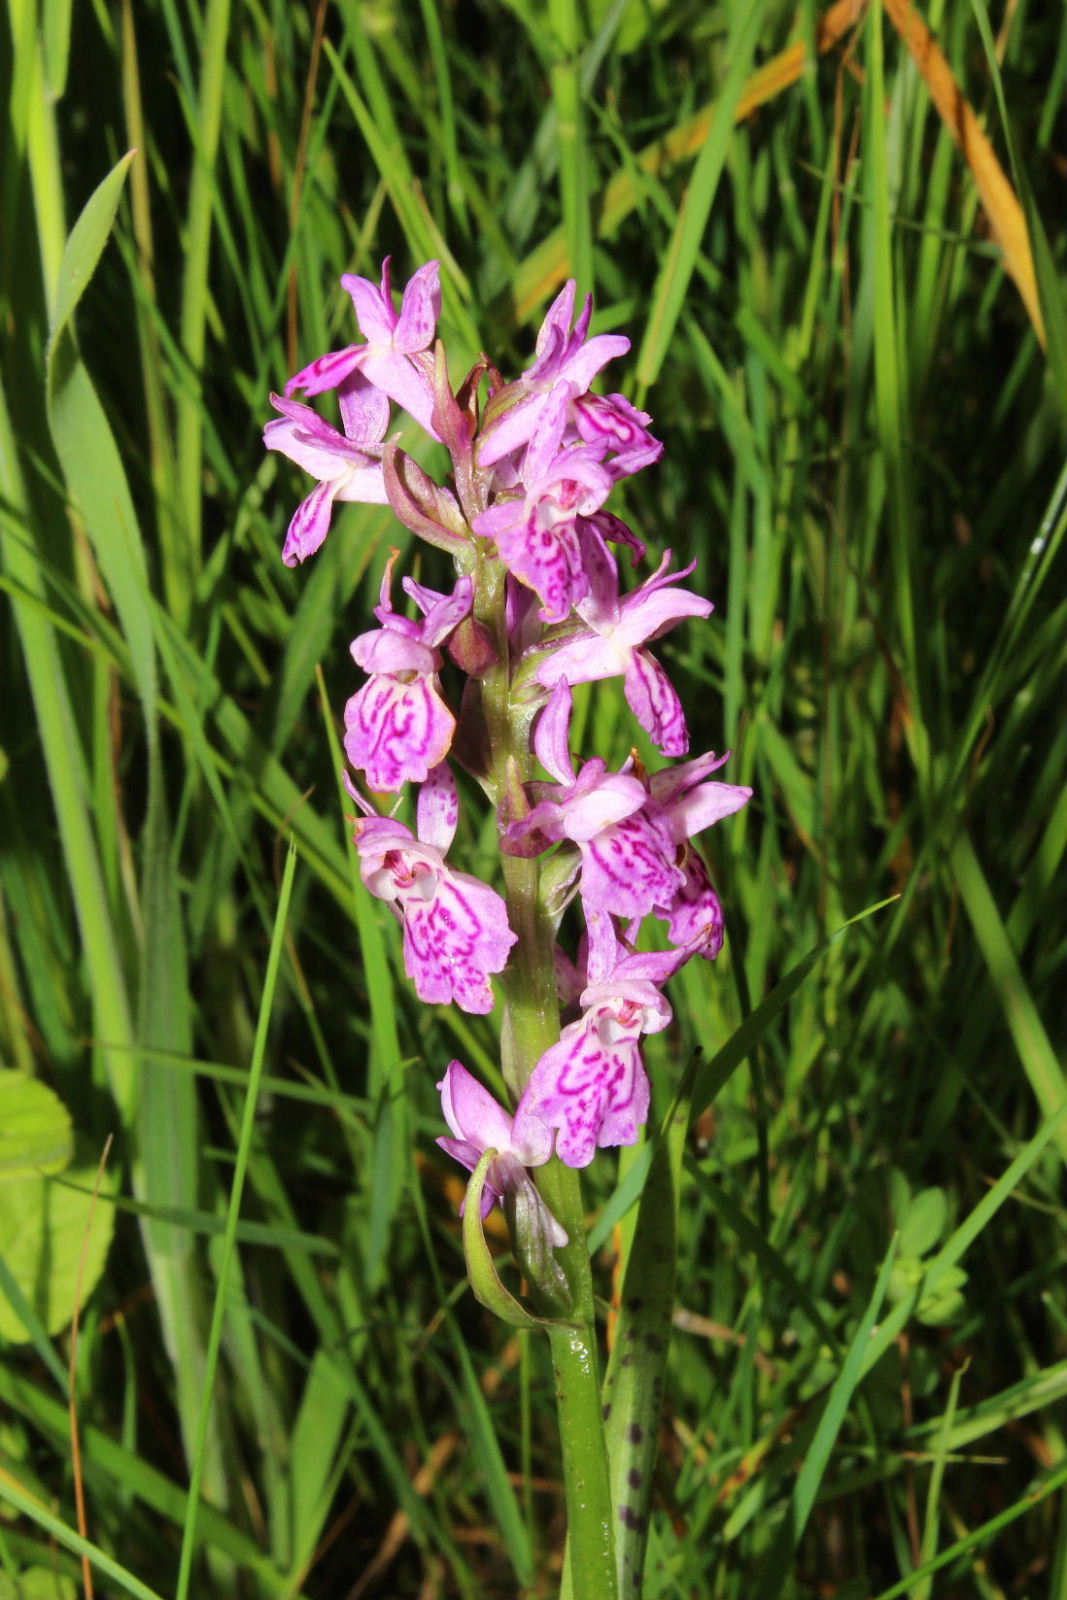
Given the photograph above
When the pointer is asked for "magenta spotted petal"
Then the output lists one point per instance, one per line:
(437, 811)
(611, 644)
(696, 916)
(633, 834)
(629, 867)
(348, 465)
(396, 732)
(537, 535)
(565, 364)
(413, 328)
(454, 940)
(543, 552)
(581, 810)
(612, 423)
(654, 701)
(594, 1092)
(456, 932)
(592, 1086)
(398, 727)
(396, 358)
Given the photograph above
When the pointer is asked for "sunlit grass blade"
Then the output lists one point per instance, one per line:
(818, 1453)
(205, 118)
(125, 1582)
(1035, 1051)
(674, 278)
(1001, 204)
(979, 1536)
(229, 1241)
(546, 267)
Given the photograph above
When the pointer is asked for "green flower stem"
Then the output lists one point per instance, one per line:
(531, 1025)
(590, 1572)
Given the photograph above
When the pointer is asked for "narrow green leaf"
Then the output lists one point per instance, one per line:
(933, 1499)
(229, 1242)
(772, 1579)
(86, 446)
(978, 1536)
(205, 121)
(84, 248)
(672, 285)
(1032, 1042)
(716, 1072)
(32, 1508)
(168, 1111)
(633, 1383)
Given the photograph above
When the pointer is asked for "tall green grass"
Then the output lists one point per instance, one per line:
(865, 455)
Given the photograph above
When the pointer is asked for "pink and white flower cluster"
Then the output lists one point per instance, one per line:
(534, 463)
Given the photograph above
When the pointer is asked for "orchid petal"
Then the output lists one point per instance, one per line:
(374, 307)
(309, 526)
(629, 868)
(453, 941)
(654, 701)
(546, 556)
(396, 732)
(327, 371)
(471, 1112)
(364, 409)
(706, 805)
(594, 1092)
(456, 932)
(552, 734)
(448, 611)
(696, 917)
(419, 310)
(437, 811)
(392, 650)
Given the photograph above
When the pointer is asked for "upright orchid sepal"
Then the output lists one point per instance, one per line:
(396, 358)
(348, 466)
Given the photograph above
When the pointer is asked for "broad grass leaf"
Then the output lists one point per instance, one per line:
(38, 1583)
(35, 1133)
(44, 1227)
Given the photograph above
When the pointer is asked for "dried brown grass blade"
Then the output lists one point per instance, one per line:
(999, 199)
(546, 268)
